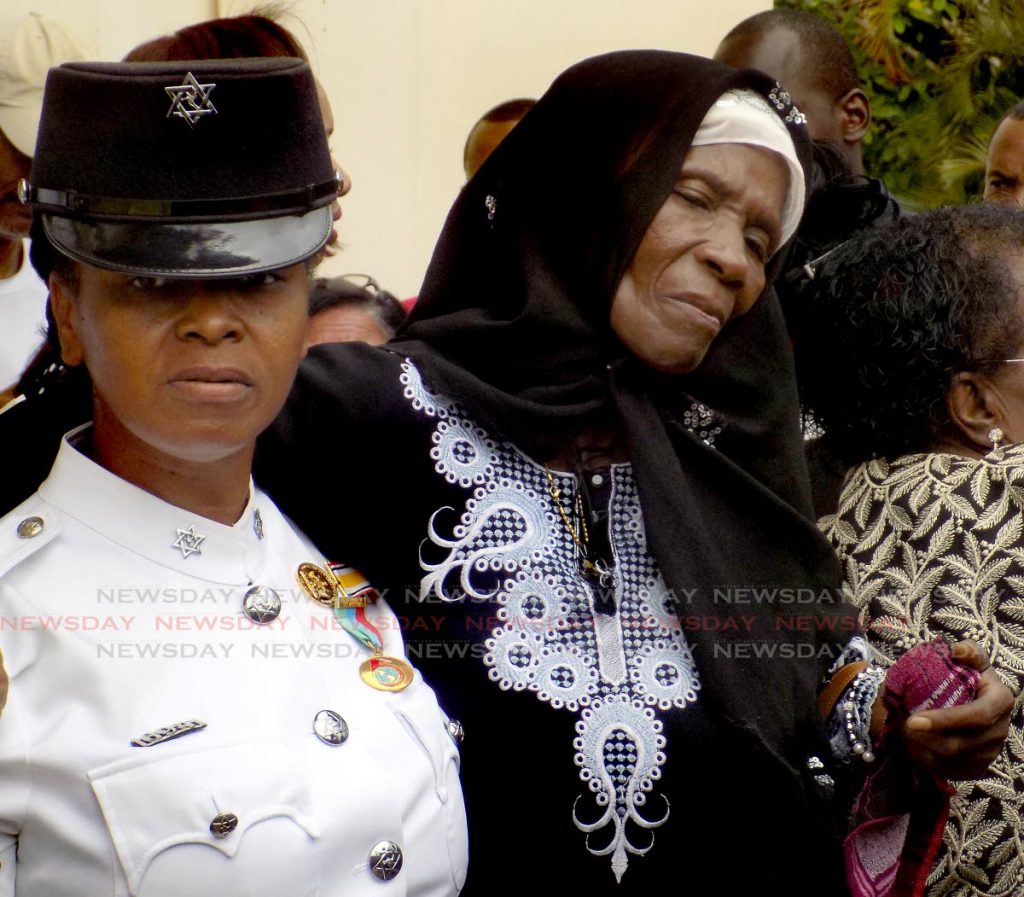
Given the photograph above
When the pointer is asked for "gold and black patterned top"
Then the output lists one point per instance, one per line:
(931, 545)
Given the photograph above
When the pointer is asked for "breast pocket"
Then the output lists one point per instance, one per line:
(419, 713)
(178, 819)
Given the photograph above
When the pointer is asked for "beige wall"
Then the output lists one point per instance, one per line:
(407, 79)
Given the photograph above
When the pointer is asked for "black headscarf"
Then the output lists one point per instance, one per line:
(513, 322)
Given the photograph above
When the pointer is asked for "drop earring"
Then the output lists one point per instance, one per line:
(996, 436)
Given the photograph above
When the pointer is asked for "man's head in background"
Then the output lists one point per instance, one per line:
(812, 61)
(491, 128)
(1004, 167)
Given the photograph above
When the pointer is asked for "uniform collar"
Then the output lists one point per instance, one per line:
(148, 526)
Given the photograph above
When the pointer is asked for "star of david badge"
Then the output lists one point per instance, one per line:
(188, 542)
(190, 100)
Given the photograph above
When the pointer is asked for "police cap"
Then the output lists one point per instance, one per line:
(213, 168)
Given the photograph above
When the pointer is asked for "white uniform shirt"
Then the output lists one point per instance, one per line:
(110, 633)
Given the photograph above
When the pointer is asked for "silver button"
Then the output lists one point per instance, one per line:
(330, 728)
(385, 860)
(456, 730)
(223, 824)
(261, 604)
(30, 527)
(597, 480)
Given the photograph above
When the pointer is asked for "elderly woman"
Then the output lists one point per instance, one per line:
(583, 459)
(580, 472)
(915, 376)
(183, 718)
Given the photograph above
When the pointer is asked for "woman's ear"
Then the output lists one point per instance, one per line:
(64, 308)
(975, 408)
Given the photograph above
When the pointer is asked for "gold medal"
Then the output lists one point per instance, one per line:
(316, 582)
(386, 673)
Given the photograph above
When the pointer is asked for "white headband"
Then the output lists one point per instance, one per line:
(744, 116)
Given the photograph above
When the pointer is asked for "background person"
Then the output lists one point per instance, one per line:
(1004, 166)
(918, 385)
(352, 307)
(29, 45)
(490, 129)
(266, 751)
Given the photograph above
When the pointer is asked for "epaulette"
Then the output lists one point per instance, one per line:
(25, 530)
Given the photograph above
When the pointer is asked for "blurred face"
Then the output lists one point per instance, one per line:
(345, 324)
(701, 262)
(189, 369)
(15, 218)
(1004, 170)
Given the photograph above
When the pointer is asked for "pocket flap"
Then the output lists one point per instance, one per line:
(153, 803)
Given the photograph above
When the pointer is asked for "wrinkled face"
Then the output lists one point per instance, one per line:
(190, 369)
(15, 218)
(701, 262)
(1004, 170)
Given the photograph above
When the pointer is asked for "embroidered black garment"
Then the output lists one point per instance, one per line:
(513, 322)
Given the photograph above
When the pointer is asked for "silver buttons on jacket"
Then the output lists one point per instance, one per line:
(385, 860)
(223, 824)
(261, 604)
(330, 728)
(30, 527)
(456, 730)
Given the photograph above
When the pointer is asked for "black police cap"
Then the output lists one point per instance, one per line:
(213, 168)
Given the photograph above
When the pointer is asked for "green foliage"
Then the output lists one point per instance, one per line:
(940, 74)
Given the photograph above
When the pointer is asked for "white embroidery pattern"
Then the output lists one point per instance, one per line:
(615, 671)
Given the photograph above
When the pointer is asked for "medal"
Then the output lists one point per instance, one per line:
(347, 592)
(385, 673)
(318, 584)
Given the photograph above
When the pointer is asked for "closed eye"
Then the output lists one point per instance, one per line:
(694, 197)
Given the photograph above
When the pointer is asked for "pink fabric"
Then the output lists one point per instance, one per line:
(901, 811)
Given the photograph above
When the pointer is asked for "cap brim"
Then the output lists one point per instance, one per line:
(204, 249)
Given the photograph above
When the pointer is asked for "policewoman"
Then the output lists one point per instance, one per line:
(201, 704)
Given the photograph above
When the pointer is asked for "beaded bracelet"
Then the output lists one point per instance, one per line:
(856, 708)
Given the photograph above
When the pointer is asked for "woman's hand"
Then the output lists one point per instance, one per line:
(960, 742)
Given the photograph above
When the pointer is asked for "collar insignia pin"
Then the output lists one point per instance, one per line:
(257, 524)
(190, 100)
(188, 541)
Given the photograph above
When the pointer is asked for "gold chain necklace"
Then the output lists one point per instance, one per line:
(595, 572)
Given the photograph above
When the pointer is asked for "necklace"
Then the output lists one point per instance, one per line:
(596, 572)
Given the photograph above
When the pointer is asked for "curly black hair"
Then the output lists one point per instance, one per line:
(894, 313)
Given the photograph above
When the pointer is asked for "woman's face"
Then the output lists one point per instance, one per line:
(701, 262)
(191, 369)
(1004, 171)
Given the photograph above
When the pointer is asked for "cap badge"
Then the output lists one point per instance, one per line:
(190, 100)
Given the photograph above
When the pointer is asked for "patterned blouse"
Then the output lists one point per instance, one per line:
(931, 546)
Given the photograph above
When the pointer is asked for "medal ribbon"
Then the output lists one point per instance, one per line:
(354, 621)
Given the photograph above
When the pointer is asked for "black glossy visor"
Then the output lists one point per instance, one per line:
(205, 249)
